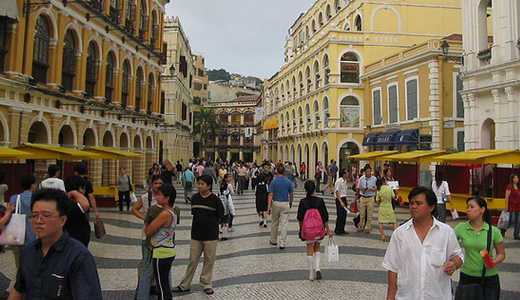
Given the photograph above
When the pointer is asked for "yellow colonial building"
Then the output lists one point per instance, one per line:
(83, 74)
(315, 105)
(177, 82)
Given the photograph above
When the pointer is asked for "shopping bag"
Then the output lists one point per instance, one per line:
(99, 228)
(14, 232)
(503, 221)
(454, 213)
(332, 251)
(401, 201)
(353, 207)
(133, 197)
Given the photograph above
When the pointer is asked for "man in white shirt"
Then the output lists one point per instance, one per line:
(341, 189)
(53, 182)
(423, 253)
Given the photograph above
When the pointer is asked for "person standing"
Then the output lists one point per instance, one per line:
(221, 173)
(262, 196)
(208, 212)
(281, 195)
(367, 190)
(254, 176)
(54, 266)
(303, 172)
(81, 170)
(124, 189)
(188, 180)
(241, 175)
(77, 225)
(513, 205)
(267, 172)
(163, 240)
(3, 187)
(332, 170)
(54, 181)
(474, 236)
(178, 169)
(341, 189)
(317, 176)
(226, 189)
(313, 246)
(146, 201)
(384, 197)
(422, 254)
(442, 191)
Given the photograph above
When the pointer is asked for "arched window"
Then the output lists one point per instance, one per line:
(69, 60)
(357, 23)
(320, 19)
(288, 89)
(316, 112)
(109, 84)
(282, 88)
(138, 89)
(313, 26)
(300, 80)
(125, 88)
(347, 25)
(317, 75)
(293, 114)
(151, 87)
(92, 70)
(294, 87)
(282, 124)
(349, 68)
(326, 112)
(300, 118)
(308, 79)
(349, 112)
(130, 16)
(41, 50)
(308, 117)
(328, 15)
(143, 22)
(155, 31)
(326, 69)
(287, 122)
(307, 32)
(337, 6)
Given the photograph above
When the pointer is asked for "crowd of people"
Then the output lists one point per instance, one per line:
(58, 228)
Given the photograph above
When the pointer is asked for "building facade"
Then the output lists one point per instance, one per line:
(83, 73)
(238, 133)
(201, 81)
(491, 70)
(178, 83)
(317, 98)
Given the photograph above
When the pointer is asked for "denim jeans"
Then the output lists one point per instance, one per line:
(143, 290)
(491, 287)
(514, 220)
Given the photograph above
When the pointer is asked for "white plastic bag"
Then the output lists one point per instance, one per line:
(133, 197)
(14, 232)
(454, 214)
(503, 221)
(332, 251)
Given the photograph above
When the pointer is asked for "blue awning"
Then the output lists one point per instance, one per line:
(370, 139)
(407, 137)
(386, 138)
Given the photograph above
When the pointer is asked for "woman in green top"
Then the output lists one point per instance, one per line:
(384, 197)
(473, 235)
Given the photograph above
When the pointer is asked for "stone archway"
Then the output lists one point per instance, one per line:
(348, 149)
(89, 138)
(66, 137)
(38, 133)
(488, 134)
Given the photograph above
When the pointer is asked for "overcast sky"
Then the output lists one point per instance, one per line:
(242, 36)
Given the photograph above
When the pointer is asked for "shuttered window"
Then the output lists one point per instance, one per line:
(378, 118)
(392, 104)
(411, 99)
(460, 104)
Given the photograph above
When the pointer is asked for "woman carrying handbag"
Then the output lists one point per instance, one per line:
(479, 274)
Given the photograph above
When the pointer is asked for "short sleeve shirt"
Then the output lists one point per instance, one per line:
(514, 199)
(281, 187)
(370, 183)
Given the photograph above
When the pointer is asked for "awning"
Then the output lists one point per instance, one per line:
(370, 139)
(407, 137)
(386, 138)
(415, 156)
(13, 154)
(110, 153)
(271, 124)
(482, 157)
(42, 151)
(9, 9)
(375, 155)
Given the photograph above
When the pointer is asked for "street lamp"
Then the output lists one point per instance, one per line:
(458, 59)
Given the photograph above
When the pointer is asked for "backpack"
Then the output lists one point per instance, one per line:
(225, 203)
(312, 226)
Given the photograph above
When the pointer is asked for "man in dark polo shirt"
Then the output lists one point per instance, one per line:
(54, 266)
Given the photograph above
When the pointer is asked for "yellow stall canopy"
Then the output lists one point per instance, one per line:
(42, 151)
(13, 154)
(482, 157)
(110, 153)
(271, 124)
(375, 155)
(415, 156)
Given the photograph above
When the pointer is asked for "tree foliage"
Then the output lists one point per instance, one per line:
(206, 122)
(221, 74)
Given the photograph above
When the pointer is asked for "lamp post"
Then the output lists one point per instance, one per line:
(458, 59)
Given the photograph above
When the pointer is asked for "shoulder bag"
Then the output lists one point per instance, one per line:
(14, 232)
(474, 291)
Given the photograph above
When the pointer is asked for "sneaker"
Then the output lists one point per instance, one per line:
(230, 229)
(312, 276)
(318, 274)
(261, 223)
(265, 224)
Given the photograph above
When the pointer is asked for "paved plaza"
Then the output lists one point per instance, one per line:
(248, 267)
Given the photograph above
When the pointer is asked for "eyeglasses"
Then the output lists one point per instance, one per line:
(45, 218)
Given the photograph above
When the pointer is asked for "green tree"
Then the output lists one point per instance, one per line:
(206, 123)
(221, 74)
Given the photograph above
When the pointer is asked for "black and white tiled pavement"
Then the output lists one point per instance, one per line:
(248, 267)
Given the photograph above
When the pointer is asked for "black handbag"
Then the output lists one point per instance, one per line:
(474, 291)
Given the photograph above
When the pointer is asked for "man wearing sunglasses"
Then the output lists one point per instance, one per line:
(54, 266)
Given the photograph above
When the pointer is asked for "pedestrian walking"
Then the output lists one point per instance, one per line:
(178, 169)
(384, 197)
(261, 198)
(124, 189)
(317, 176)
(281, 195)
(77, 224)
(313, 245)
(226, 190)
(331, 170)
(188, 180)
(341, 189)
(367, 190)
(513, 205)
(303, 171)
(241, 177)
(53, 181)
(441, 189)
(208, 212)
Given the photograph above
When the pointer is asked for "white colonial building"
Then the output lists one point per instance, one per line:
(491, 73)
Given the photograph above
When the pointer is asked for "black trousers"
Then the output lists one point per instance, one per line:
(341, 219)
(126, 196)
(161, 271)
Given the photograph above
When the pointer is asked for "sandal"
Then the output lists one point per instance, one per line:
(209, 291)
(178, 289)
